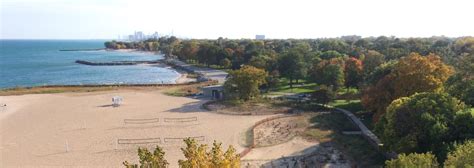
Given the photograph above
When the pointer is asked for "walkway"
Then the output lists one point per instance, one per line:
(208, 73)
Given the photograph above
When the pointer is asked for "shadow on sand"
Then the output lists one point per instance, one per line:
(190, 107)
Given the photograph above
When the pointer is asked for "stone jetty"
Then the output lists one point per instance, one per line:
(113, 63)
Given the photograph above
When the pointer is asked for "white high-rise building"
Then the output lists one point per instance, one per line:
(139, 36)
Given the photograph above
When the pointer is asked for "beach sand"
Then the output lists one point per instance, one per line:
(81, 129)
(34, 129)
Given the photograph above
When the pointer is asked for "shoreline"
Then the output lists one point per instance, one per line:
(182, 75)
(181, 79)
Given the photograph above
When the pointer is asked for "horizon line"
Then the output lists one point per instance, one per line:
(401, 37)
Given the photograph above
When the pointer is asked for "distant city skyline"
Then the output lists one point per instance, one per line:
(235, 19)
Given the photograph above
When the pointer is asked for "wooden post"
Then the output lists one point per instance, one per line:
(67, 146)
(116, 143)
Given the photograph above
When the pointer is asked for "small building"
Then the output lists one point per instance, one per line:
(260, 37)
(215, 92)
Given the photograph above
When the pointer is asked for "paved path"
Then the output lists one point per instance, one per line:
(209, 73)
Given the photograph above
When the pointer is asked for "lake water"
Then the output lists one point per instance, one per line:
(25, 63)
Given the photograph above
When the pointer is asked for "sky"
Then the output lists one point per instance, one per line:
(109, 19)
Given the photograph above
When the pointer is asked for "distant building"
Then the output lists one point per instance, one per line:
(131, 37)
(260, 37)
(155, 35)
(139, 36)
(352, 38)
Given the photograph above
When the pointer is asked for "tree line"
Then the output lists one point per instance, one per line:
(419, 90)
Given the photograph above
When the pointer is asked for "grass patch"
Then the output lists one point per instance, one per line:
(248, 138)
(186, 90)
(182, 91)
(328, 127)
(351, 105)
(302, 87)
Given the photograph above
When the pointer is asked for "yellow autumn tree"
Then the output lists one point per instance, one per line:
(411, 74)
(417, 73)
(243, 84)
(149, 160)
(197, 156)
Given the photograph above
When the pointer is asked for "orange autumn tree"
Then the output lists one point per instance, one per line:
(411, 74)
(352, 72)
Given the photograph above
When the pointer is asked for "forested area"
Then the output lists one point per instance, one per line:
(419, 92)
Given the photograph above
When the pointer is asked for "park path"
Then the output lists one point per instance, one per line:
(209, 73)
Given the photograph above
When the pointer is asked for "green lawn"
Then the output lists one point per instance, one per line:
(284, 86)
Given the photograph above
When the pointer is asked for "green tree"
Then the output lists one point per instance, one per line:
(462, 156)
(425, 122)
(323, 95)
(329, 73)
(149, 160)
(461, 84)
(464, 45)
(330, 55)
(371, 61)
(226, 63)
(460, 87)
(413, 160)
(243, 84)
(292, 65)
(189, 50)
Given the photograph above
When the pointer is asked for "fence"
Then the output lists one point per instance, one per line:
(139, 141)
(197, 138)
(185, 119)
(141, 121)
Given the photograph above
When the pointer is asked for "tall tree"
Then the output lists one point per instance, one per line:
(353, 72)
(412, 74)
(292, 65)
(372, 59)
(189, 50)
(425, 122)
(243, 84)
(329, 73)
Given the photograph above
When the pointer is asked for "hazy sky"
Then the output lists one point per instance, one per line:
(106, 19)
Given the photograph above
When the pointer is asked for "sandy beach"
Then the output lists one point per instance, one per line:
(34, 129)
(82, 129)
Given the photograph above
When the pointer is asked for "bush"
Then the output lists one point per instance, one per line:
(149, 160)
(198, 156)
(462, 156)
(413, 160)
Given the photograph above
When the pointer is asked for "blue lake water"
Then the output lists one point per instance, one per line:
(25, 63)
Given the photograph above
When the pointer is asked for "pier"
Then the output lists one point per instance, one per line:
(85, 49)
(113, 63)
